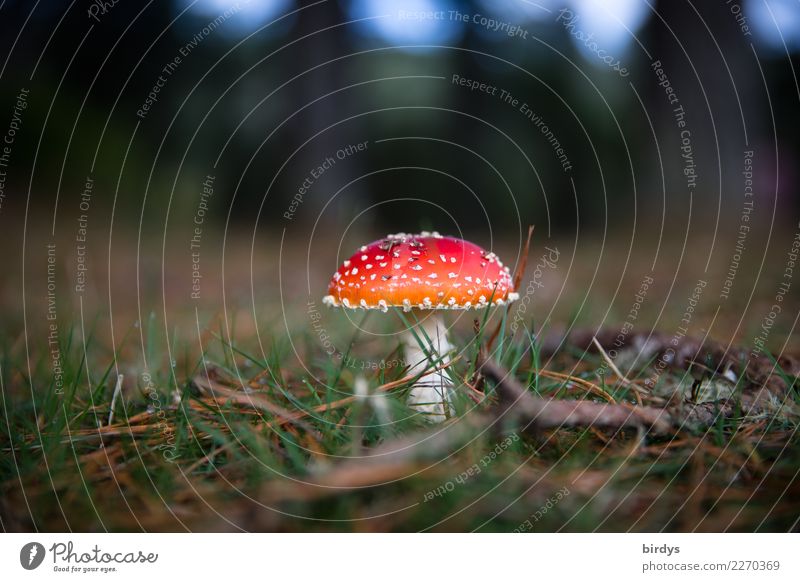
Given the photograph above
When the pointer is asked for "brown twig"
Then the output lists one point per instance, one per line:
(589, 386)
(524, 261)
(542, 413)
(293, 417)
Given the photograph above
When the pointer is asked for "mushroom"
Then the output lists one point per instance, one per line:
(420, 272)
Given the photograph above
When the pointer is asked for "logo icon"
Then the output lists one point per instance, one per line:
(31, 555)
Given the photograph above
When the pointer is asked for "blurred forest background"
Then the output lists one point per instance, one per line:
(254, 77)
(146, 100)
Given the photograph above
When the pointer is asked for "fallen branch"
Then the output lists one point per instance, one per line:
(423, 450)
(540, 413)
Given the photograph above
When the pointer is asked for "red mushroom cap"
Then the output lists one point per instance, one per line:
(424, 271)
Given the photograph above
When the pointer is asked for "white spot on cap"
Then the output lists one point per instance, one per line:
(369, 265)
(432, 276)
(355, 271)
(364, 257)
(452, 275)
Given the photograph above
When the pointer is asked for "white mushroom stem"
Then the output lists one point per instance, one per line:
(432, 394)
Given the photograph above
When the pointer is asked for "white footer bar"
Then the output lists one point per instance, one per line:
(378, 557)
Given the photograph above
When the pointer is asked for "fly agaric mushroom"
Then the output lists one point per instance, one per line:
(425, 271)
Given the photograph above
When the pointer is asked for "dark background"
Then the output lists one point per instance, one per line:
(245, 94)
